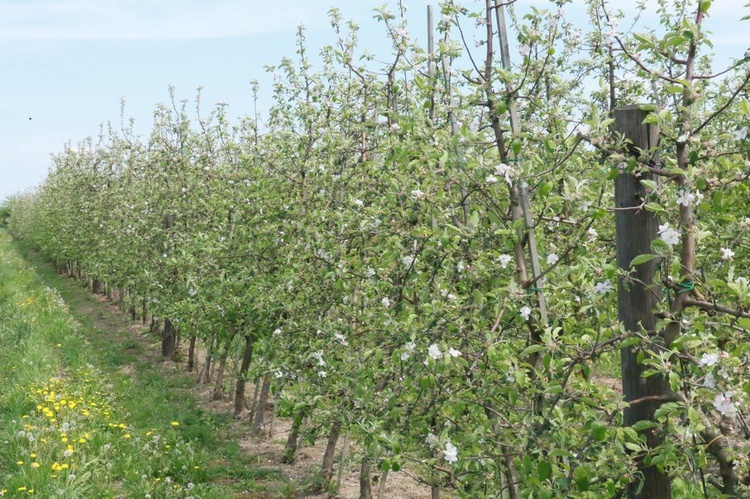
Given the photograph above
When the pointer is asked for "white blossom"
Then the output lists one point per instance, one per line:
(552, 259)
(709, 381)
(603, 287)
(709, 359)
(669, 235)
(686, 198)
(409, 349)
(319, 356)
(341, 339)
(524, 50)
(740, 134)
(434, 351)
(461, 266)
(525, 312)
(723, 403)
(432, 440)
(454, 353)
(584, 129)
(386, 302)
(370, 272)
(409, 261)
(322, 374)
(491, 179)
(359, 202)
(505, 260)
(726, 253)
(417, 194)
(592, 234)
(505, 171)
(450, 454)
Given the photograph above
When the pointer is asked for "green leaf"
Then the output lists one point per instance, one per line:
(630, 342)
(644, 424)
(704, 6)
(545, 189)
(633, 446)
(544, 470)
(665, 410)
(598, 431)
(641, 259)
(655, 207)
(532, 349)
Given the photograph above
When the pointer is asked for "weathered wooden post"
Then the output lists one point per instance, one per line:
(638, 297)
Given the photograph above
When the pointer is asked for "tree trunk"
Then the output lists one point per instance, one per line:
(365, 480)
(276, 398)
(383, 480)
(144, 307)
(239, 394)
(205, 375)
(638, 297)
(290, 450)
(260, 409)
(326, 471)
(218, 393)
(191, 354)
(168, 340)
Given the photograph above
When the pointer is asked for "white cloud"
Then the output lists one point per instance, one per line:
(152, 20)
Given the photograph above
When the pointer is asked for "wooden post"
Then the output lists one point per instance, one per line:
(431, 54)
(638, 297)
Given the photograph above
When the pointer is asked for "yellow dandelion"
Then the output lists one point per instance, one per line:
(127, 435)
(175, 423)
(35, 465)
(19, 463)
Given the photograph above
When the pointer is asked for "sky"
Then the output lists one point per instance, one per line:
(65, 65)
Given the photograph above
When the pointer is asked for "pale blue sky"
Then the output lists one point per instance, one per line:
(67, 63)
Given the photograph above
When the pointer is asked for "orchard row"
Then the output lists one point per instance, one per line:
(419, 254)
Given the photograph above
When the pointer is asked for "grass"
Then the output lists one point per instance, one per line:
(88, 409)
